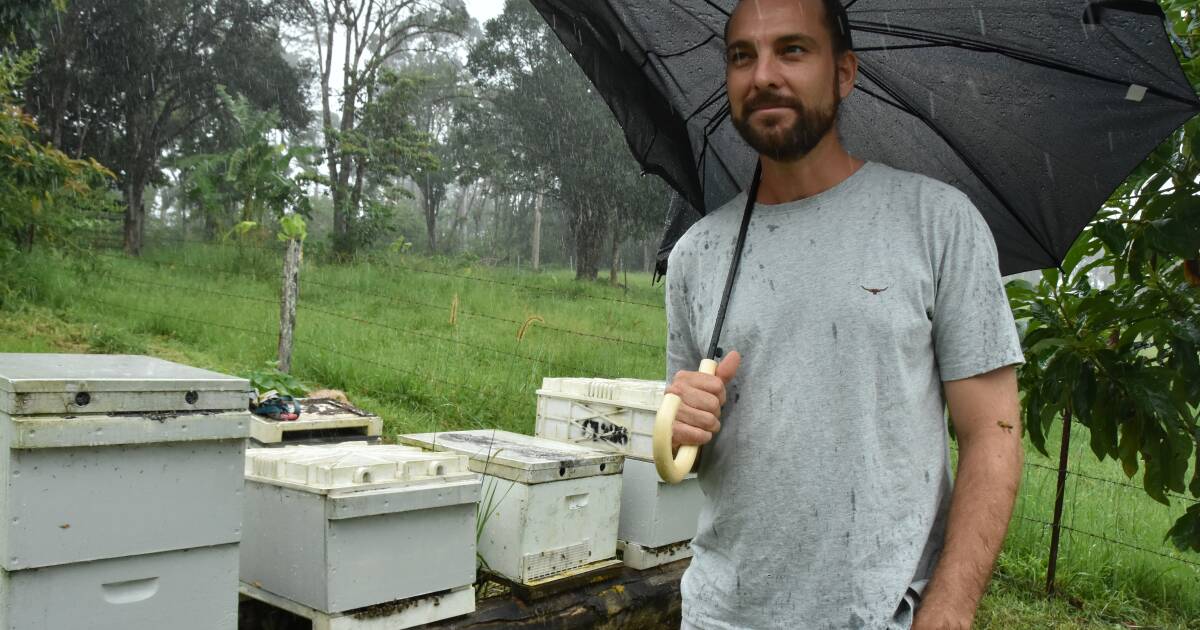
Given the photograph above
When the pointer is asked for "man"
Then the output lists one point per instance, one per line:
(869, 299)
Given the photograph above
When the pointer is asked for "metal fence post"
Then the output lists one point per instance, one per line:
(1060, 491)
(287, 302)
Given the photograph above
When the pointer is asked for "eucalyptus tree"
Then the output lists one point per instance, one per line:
(546, 113)
(354, 41)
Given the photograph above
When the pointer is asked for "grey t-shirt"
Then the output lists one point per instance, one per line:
(827, 488)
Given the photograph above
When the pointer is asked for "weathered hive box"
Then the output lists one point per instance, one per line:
(547, 508)
(321, 421)
(657, 519)
(343, 527)
(614, 415)
(120, 501)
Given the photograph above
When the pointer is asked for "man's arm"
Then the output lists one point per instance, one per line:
(985, 412)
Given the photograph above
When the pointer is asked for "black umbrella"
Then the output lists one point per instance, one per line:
(1037, 109)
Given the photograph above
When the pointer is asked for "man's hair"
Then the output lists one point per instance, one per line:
(836, 23)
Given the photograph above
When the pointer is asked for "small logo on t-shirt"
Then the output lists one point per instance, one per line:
(873, 291)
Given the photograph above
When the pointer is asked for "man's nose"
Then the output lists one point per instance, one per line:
(766, 72)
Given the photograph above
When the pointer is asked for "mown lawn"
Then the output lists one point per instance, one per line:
(437, 345)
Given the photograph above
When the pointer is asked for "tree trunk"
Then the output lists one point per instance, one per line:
(647, 253)
(135, 212)
(429, 205)
(28, 237)
(587, 229)
(536, 258)
(615, 254)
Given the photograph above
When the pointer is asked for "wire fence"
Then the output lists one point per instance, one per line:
(1105, 515)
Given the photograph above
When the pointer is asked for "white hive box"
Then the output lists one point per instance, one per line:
(321, 421)
(614, 415)
(658, 519)
(547, 508)
(343, 527)
(121, 493)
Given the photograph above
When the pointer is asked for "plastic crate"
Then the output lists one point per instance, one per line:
(615, 415)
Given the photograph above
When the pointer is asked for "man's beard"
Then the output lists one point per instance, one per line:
(794, 142)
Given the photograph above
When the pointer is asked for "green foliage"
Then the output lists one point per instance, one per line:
(270, 377)
(124, 81)
(1124, 358)
(44, 194)
(260, 180)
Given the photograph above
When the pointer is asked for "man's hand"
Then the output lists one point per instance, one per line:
(702, 396)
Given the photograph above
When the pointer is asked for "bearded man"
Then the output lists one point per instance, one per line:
(869, 299)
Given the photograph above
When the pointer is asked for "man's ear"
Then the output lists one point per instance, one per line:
(847, 67)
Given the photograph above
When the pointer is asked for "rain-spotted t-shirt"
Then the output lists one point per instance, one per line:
(827, 489)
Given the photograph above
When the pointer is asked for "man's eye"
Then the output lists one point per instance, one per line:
(793, 49)
(738, 56)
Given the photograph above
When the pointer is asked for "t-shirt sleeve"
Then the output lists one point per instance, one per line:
(973, 327)
(682, 352)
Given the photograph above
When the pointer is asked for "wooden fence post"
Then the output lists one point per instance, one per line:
(287, 302)
(1060, 491)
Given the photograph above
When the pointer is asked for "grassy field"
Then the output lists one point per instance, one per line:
(438, 345)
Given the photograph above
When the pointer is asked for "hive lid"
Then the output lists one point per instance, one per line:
(82, 383)
(625, 392)
(352, 466)
(519, 457)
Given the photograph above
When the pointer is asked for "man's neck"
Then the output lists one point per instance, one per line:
(826, 166)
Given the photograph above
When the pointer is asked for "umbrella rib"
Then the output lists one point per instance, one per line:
(1026, 56)
(970, 163)
(681, 52)
(901, 47)
(708, 102)
(880, 97)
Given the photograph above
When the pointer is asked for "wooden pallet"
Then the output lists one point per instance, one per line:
(574, 579)
(406, 613)
(322, 420)
(634, 600)
(636, 556)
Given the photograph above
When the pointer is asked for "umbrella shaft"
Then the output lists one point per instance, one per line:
(735, 263)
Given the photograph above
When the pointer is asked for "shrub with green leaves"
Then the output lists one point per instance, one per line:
(1122, 358)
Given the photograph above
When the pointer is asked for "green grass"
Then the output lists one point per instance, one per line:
(382, 331)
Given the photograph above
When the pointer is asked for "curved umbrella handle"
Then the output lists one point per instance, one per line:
(674, 467)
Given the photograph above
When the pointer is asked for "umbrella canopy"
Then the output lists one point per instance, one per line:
(1037, 109)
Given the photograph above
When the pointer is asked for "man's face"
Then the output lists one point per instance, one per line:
(782, 76)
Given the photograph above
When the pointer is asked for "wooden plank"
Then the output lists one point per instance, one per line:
(634, 600)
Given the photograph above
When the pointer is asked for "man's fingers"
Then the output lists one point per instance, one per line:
(700, 399)
(698, 418)
(728, 367)
(684, 434)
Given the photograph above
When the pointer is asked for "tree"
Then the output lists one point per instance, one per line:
(1124, 359)
(122, 81)
(372, 33)
(262, 180)
(553, 125)
(42, 190)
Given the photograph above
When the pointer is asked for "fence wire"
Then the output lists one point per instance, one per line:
(469, 391)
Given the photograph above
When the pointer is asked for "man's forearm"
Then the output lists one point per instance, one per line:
(989, 473)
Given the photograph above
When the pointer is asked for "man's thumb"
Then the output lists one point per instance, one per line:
(728, 366)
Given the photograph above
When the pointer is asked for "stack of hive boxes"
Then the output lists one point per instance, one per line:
(548, 509)
(334, 530)
(658, 519)
(120, 493)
